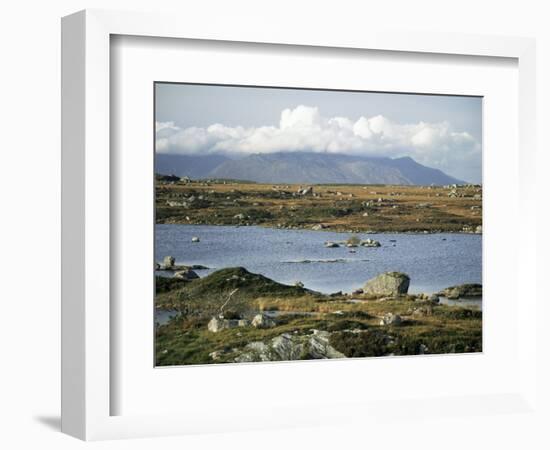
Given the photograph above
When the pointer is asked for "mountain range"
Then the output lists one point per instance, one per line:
(304, 168)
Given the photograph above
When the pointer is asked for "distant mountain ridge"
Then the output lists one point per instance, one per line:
(191, 166)
(305, 168)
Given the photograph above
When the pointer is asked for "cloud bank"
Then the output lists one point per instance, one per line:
(305, 129)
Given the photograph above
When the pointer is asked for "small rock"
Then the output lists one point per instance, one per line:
(391, 319)
(216, 355)
(195, 239)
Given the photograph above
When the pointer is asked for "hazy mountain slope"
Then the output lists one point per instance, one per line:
(418, 174)
(193, 166)
(320, 168)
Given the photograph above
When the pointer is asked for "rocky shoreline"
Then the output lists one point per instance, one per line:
(233, 315)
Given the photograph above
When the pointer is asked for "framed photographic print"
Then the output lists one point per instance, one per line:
(296, 224)
(292, 214)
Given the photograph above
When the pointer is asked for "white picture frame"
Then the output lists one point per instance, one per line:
(87, 386)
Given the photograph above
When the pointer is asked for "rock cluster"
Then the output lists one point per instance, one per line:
(463, 290)
(290, 347)
(217, 324)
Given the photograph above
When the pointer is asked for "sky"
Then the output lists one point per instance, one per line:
(443, 132)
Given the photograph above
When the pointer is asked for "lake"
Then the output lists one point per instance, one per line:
(433, 261)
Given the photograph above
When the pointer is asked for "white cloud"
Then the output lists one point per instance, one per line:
(305, 129)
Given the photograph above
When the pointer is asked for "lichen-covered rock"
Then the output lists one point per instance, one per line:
(389, 283)
(291, 347)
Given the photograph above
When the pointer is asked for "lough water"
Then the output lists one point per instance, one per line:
(433, 261)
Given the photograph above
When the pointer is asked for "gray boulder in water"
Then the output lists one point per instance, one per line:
(168, 262)
(389, 283)
(186, 274)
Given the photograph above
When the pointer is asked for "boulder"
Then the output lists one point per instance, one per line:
(318, 227)
(286, 347)
(216, 324)
(219, 323)
(186, 274)
(306, 191)
(168, 262)
(262, 321)
(370, 243)
(389, 283)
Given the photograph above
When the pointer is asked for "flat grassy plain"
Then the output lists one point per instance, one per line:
(349, 208)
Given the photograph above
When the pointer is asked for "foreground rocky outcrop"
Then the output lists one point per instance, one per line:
(291, 347)
(388, 284)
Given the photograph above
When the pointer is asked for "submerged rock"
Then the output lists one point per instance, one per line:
(370, 243)
(389, 283)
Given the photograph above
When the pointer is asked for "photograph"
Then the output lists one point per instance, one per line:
(312, 224)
